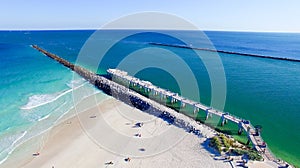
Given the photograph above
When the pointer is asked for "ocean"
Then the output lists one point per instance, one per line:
(36, 91)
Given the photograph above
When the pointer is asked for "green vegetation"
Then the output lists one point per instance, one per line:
(216, 143)
(222, 143)
(227, 142)
(251, 154)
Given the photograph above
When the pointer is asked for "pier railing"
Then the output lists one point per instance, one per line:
(143, 87)
(123, 92)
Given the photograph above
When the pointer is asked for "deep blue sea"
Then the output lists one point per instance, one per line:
(36, 91)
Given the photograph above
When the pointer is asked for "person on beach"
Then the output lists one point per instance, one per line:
(128, 159)
(140, 124)
(109, 163)
(138, 135)
(36, 154)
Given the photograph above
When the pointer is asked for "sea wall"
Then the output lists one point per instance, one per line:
(132, 98)
(225, 52)
(152, 107)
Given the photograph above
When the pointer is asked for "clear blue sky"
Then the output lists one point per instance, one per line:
(243, 15)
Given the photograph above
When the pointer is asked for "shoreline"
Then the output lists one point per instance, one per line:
(136, 99)
(67, 144)
(65, 116)
(119, 91)
(68, 136)
(42, 124)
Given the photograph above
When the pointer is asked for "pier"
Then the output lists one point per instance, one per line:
(253, 133)
(121, 85)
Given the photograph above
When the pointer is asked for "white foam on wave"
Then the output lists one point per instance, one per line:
(47, 116)
(12, 147)
(39, 100)
(58, 120)
(15, 141)
(76, 83)
(42, 99)
(43, 118)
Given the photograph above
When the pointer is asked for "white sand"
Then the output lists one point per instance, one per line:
(107, 132)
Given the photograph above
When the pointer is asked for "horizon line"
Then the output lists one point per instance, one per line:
(217, 30)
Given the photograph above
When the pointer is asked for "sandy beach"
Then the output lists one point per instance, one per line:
(74, 142)
(114, 134)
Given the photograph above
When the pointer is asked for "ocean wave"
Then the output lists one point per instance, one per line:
(15, 143)
(76, 83)
(43, 118)
(10, 143)
(12, 147)
(29, 135)
(42, 99)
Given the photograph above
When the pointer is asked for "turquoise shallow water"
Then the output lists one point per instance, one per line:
(36, 91)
